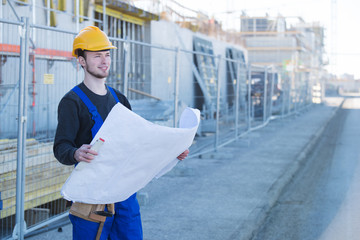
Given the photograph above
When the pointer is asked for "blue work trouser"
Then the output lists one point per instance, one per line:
(124, 225)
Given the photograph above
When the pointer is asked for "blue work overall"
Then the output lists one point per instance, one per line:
(126, 222)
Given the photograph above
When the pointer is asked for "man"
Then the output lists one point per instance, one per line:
(81, 113)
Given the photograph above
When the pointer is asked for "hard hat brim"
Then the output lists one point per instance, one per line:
(75, 54)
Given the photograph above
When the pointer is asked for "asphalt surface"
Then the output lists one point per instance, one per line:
(322, 200)
(227, 194)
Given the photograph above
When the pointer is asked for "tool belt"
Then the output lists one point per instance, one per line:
(92, 212)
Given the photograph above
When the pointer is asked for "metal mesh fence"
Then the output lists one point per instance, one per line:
(160, 82)
(53, 72)
(148, 83)
(232, 120)
(9, 83)
(50, 74)
(10, 68)
(50, 13)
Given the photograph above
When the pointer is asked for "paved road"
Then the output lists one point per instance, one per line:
(323, 200)
(225, 195)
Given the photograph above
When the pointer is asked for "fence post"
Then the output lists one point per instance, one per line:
(105, 28)
(265, 94)
(237, 99)
(20, 226)
(272, 89)
(48, 13)
(1, 25)
(176, 86)
(296, 92)
(218, 104)
(282, 93)
(292, 93)
(125, 62)
(289, 94)
(249, 97)
(77, 2)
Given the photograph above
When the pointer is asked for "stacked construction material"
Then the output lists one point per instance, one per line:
(44, 175)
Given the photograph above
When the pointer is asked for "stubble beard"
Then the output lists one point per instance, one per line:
(97, 75)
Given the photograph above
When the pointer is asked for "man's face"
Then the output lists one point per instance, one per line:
(97, 64)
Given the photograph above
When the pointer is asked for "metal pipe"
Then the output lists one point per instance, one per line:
(33, 93)
(176, 86)
(132, 57)
(77, 15)
(21, 145)
(282, 98)
(2, 20)
(272, 90)
(126, 46)
(26, 57)
(249, 97)
(218, 104)
(143, 52)
(33, 20)
(14, 11)
(1, 25)
(55, 29)
(104, 16)
(48, 12)
(48, 222)
(237, 99)
(291, 93)
(265, 95)
(143, 93)
(148, 44)
(289, 100)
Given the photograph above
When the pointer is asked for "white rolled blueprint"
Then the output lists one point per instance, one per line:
(134, 152)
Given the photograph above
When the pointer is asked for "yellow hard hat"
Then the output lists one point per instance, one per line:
(91, 38)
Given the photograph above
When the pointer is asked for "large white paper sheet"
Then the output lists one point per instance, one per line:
(134, 152)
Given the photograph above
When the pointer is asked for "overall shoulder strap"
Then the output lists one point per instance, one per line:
(92, 109)
(114, 94)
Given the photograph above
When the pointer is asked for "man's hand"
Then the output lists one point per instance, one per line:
(183, 155)
(84, 153)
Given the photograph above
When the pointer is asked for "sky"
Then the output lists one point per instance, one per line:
(341, 23)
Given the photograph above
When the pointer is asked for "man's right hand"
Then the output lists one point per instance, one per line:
(84, 153)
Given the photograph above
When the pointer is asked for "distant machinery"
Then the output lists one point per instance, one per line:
(236, 69)
(206, 86)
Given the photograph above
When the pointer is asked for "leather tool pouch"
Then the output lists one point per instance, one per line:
(92, 212)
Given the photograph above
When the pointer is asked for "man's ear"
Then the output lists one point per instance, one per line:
(82, 61)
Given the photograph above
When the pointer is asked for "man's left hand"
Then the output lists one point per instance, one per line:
(183, 155)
